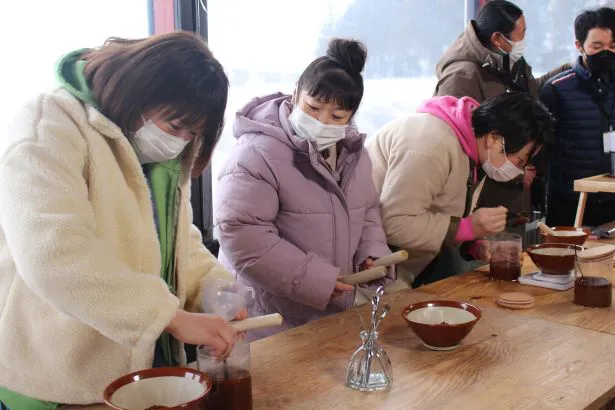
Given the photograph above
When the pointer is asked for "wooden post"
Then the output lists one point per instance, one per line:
(578, 220)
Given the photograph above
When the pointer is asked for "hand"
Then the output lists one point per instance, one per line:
(488, 221)
(340, 288)
(241, 315)
(367, 264)
(529, 176)
(204, 329)
(482, 251)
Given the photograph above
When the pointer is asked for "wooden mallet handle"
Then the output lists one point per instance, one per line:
(364, 276)
(275, 319)
(392, 259)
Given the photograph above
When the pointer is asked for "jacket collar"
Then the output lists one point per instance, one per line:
(580, 69)
(483, 55)
(583, 73)
(102, 124)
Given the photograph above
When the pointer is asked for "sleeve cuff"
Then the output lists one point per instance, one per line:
(374, 250)
(465, 231)
(153, 332)
(317, 284)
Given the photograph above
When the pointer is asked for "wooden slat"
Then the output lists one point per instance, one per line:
(599, 183)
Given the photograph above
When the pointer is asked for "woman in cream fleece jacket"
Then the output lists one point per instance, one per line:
(92, 275)
(425, 165)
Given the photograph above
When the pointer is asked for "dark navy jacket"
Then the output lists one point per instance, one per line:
(574, 98)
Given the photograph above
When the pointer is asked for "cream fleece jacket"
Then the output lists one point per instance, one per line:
(81, 298)
(420, 172)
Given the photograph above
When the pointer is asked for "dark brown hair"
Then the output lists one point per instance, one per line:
(174, 72)
(336, 77)
(603, 18)
(517, 117)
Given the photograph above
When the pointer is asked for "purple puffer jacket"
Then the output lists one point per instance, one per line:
(286, 226)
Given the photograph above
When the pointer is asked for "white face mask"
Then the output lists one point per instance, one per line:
(518, 48)
(505, 173)
(151, 144)
(309, 128)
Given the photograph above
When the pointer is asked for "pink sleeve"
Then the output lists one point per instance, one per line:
(465, 232)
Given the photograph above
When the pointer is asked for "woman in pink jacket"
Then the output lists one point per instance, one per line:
(297, 208)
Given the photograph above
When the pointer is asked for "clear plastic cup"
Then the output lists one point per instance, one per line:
(232, 389)
(506, 257)
(598, 265)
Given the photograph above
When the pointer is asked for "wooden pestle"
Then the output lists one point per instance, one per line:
(258, 322)
(545, 229)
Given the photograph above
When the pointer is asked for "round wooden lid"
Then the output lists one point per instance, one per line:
(516, 298)
(515, 305)
(597, 252)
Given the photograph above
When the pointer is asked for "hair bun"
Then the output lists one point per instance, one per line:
(350, 54)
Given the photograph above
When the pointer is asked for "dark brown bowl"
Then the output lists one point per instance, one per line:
(575, 240)
(554, 264)
(449, 333)
(183, 379)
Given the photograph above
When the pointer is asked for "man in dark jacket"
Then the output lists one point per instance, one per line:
(487, 60)
(582, 100)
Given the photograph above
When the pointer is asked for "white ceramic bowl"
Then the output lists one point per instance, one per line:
(441, 324)
(437, 315)
(171, 387)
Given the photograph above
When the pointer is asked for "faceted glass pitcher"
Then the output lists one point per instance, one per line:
(370, 368)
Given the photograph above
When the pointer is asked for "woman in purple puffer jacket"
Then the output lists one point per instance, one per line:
(296, 207)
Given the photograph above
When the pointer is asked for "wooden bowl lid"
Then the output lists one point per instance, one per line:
(516, 298)
(597, 252)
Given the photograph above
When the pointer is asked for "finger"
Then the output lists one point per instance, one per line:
(242, 314)
(498, 223)
(229, 349)
(342, 287)
(227, 333)
(496, 217)
(225, 351)
(218, 346)
(228, 344)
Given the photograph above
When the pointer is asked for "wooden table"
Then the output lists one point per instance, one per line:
(598, 183)
(552, 305)
(508, 361)
(556, 355)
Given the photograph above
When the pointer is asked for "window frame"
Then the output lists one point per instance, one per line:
(188, 15)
